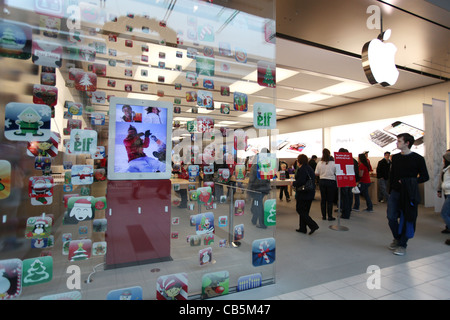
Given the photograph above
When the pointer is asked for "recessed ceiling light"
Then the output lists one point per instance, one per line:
(343, 88)
(246, 87)
(311, 97)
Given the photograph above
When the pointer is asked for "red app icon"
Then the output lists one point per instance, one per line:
(10, 278)
(86, 81)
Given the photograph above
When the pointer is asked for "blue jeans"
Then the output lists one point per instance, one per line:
(364, 191)
(383, 186)
(346, 201)
(445, 211)
(393, 216)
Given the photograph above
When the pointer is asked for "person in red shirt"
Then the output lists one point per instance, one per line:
(137, 159)
(364, 181)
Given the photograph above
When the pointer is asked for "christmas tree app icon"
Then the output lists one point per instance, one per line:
(37, 270)
(266, 74)
(15, 40)
(86, 81)
(80, 250)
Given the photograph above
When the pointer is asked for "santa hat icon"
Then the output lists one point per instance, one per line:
(83, 202)
(41, 221)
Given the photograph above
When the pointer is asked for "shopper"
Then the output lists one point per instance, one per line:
(383, 168)
(284, 189)
(364, 183)
(366, 153)
(313, 162)
(259, 188)
(408, 170)
(445, 187)
(182, 192)
(326, 171)
(304, 198)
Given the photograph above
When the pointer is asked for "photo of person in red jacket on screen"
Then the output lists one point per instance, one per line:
(138, 161)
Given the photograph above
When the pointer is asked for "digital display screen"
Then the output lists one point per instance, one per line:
(401, 127)
(140, 139)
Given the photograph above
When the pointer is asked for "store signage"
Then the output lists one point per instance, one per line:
(345, 170)
(378, 60)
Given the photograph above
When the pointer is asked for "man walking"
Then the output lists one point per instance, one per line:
(383, 168)
(407, 171)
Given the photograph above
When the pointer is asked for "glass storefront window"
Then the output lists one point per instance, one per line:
(81, 82)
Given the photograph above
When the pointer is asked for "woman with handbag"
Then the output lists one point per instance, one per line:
(326, 171)
(305, 186)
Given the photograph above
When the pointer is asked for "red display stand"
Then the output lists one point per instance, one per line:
(138, 218)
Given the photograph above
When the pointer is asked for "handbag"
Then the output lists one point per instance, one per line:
(310, 185)
(355, 190)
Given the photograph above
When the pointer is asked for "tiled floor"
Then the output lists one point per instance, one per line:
(422, 279)
(332, 265)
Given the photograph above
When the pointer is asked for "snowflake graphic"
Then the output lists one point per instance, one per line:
(45, 111)
(7, 123)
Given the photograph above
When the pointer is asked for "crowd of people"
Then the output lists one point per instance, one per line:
(398, 176)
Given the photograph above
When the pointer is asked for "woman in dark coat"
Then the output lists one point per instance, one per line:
(304, 198)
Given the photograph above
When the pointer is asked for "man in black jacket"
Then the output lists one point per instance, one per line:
(383, 168)
(407, 171)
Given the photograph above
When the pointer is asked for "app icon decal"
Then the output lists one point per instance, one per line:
(239, 232)
(10, 278)
(83, 141)
(215, 284)
(82, 174)
(239, 206)
(266, 74)
(132, 293)
(80, 249)
(43, 94)
(204, 196)
(46, 53)
(249, 282)
(240, 101)
(45, 148)
(270, 212)
(16, 40)
(5, 179)
(27, 122)
(40, 190)
(172, 287)
(263, 252)
(264, 116)
(37, 270)
(205, 256)
(204, 223)
(38, 227)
